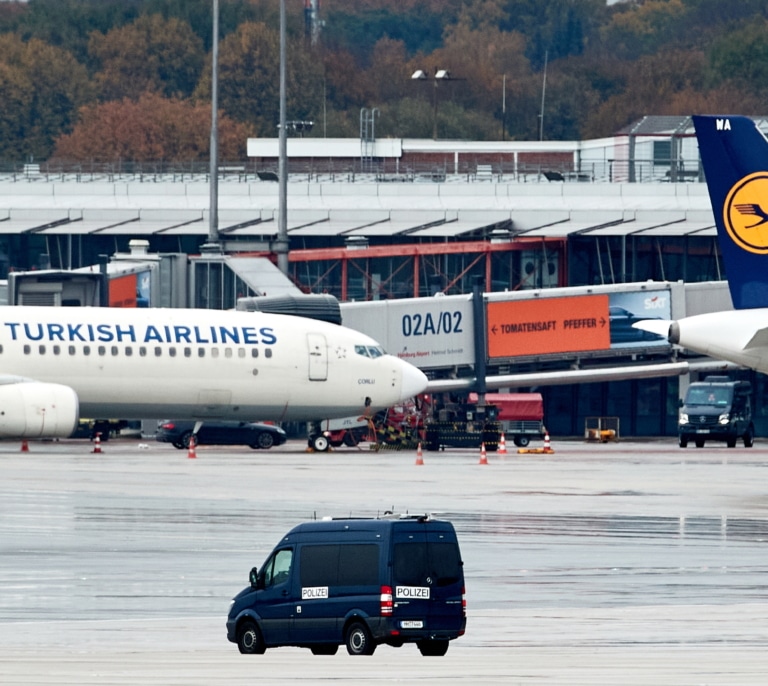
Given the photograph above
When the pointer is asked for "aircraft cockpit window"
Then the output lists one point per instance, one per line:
(361, 350)
(375, 351)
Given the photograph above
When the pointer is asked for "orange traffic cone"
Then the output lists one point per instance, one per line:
(547, 445)
(419, 456)
(502, 449)
(483, 456)
(97, 443)
(191, 454)
(24, 447)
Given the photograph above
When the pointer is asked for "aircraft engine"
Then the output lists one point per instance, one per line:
(32, 409)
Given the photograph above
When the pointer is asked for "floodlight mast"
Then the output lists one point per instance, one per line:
(281, 245)
(212, 244)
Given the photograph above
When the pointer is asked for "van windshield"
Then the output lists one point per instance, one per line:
(708, 395)
(415, 562)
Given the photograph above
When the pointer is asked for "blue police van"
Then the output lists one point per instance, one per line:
(355, 582)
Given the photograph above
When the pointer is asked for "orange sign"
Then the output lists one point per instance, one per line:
(122, 291)
(548, 325)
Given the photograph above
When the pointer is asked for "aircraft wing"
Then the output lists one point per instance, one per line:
(758, 340)
(657, 326)
(573, 376)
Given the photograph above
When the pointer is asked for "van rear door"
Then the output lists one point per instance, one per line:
(428, 579)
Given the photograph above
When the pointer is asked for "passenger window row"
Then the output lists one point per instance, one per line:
(144, 351)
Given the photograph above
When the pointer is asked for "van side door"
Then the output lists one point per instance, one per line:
(275, 602)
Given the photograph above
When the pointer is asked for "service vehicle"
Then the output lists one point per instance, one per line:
(253, 434)
(357, 582)
(467, 424)
(716, 409)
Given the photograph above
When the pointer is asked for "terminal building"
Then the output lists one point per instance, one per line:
(374, 222)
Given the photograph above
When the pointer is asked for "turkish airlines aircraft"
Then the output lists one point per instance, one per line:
(734, 154)
(57, 364)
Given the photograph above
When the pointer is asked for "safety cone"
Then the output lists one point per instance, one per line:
(97, 443)
(483, 456)
(191, 454)
(419, 456)
(24, 447)
(547, 445)
(502, 449)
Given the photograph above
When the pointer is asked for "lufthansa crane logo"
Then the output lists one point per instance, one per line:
(746, 213)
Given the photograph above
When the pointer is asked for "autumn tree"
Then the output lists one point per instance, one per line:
(150, 54)
(41, 88)
(249, 81)
(148, 129)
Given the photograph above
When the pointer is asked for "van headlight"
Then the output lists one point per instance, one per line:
(683, 418)
(724, 418)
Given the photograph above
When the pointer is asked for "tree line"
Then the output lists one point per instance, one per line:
(130, 80)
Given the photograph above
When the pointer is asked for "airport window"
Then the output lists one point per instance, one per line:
(158, 351)
(201, 352)
(57, 350)
(187, 352)
(268, 352)
(254, 352)
(101, 350)
(86, 350)
(115, 350)
(42, 350)
(361, 350)
(142, 351)
(227, 352)
(374, 351)
(241, 352)
(27, 350)
(71, 349)
(214, 352)
(1, 349)
(172, 351)
(128, 351)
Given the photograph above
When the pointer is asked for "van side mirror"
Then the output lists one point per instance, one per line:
(254, 577)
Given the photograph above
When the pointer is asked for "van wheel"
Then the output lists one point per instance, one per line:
(699, 442)
(433, 648)
(249, 640)
(731, 442)
(324, 649)
(359, 640)
(683, 441)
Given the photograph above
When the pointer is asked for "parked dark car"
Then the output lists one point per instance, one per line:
(254, 434)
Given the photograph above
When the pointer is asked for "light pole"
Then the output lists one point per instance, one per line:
(440, 75)
(212, 244)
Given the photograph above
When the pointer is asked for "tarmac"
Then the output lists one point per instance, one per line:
(630, 562)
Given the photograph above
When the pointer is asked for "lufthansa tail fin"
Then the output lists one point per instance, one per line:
(734, 154)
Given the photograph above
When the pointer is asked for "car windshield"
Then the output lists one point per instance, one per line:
(711, 395)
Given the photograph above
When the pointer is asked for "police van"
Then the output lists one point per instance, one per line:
(359, 582)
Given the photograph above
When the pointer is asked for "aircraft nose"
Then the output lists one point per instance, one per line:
(414, 381)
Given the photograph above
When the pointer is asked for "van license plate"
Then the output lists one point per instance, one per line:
(702, 431)
(411, 624)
